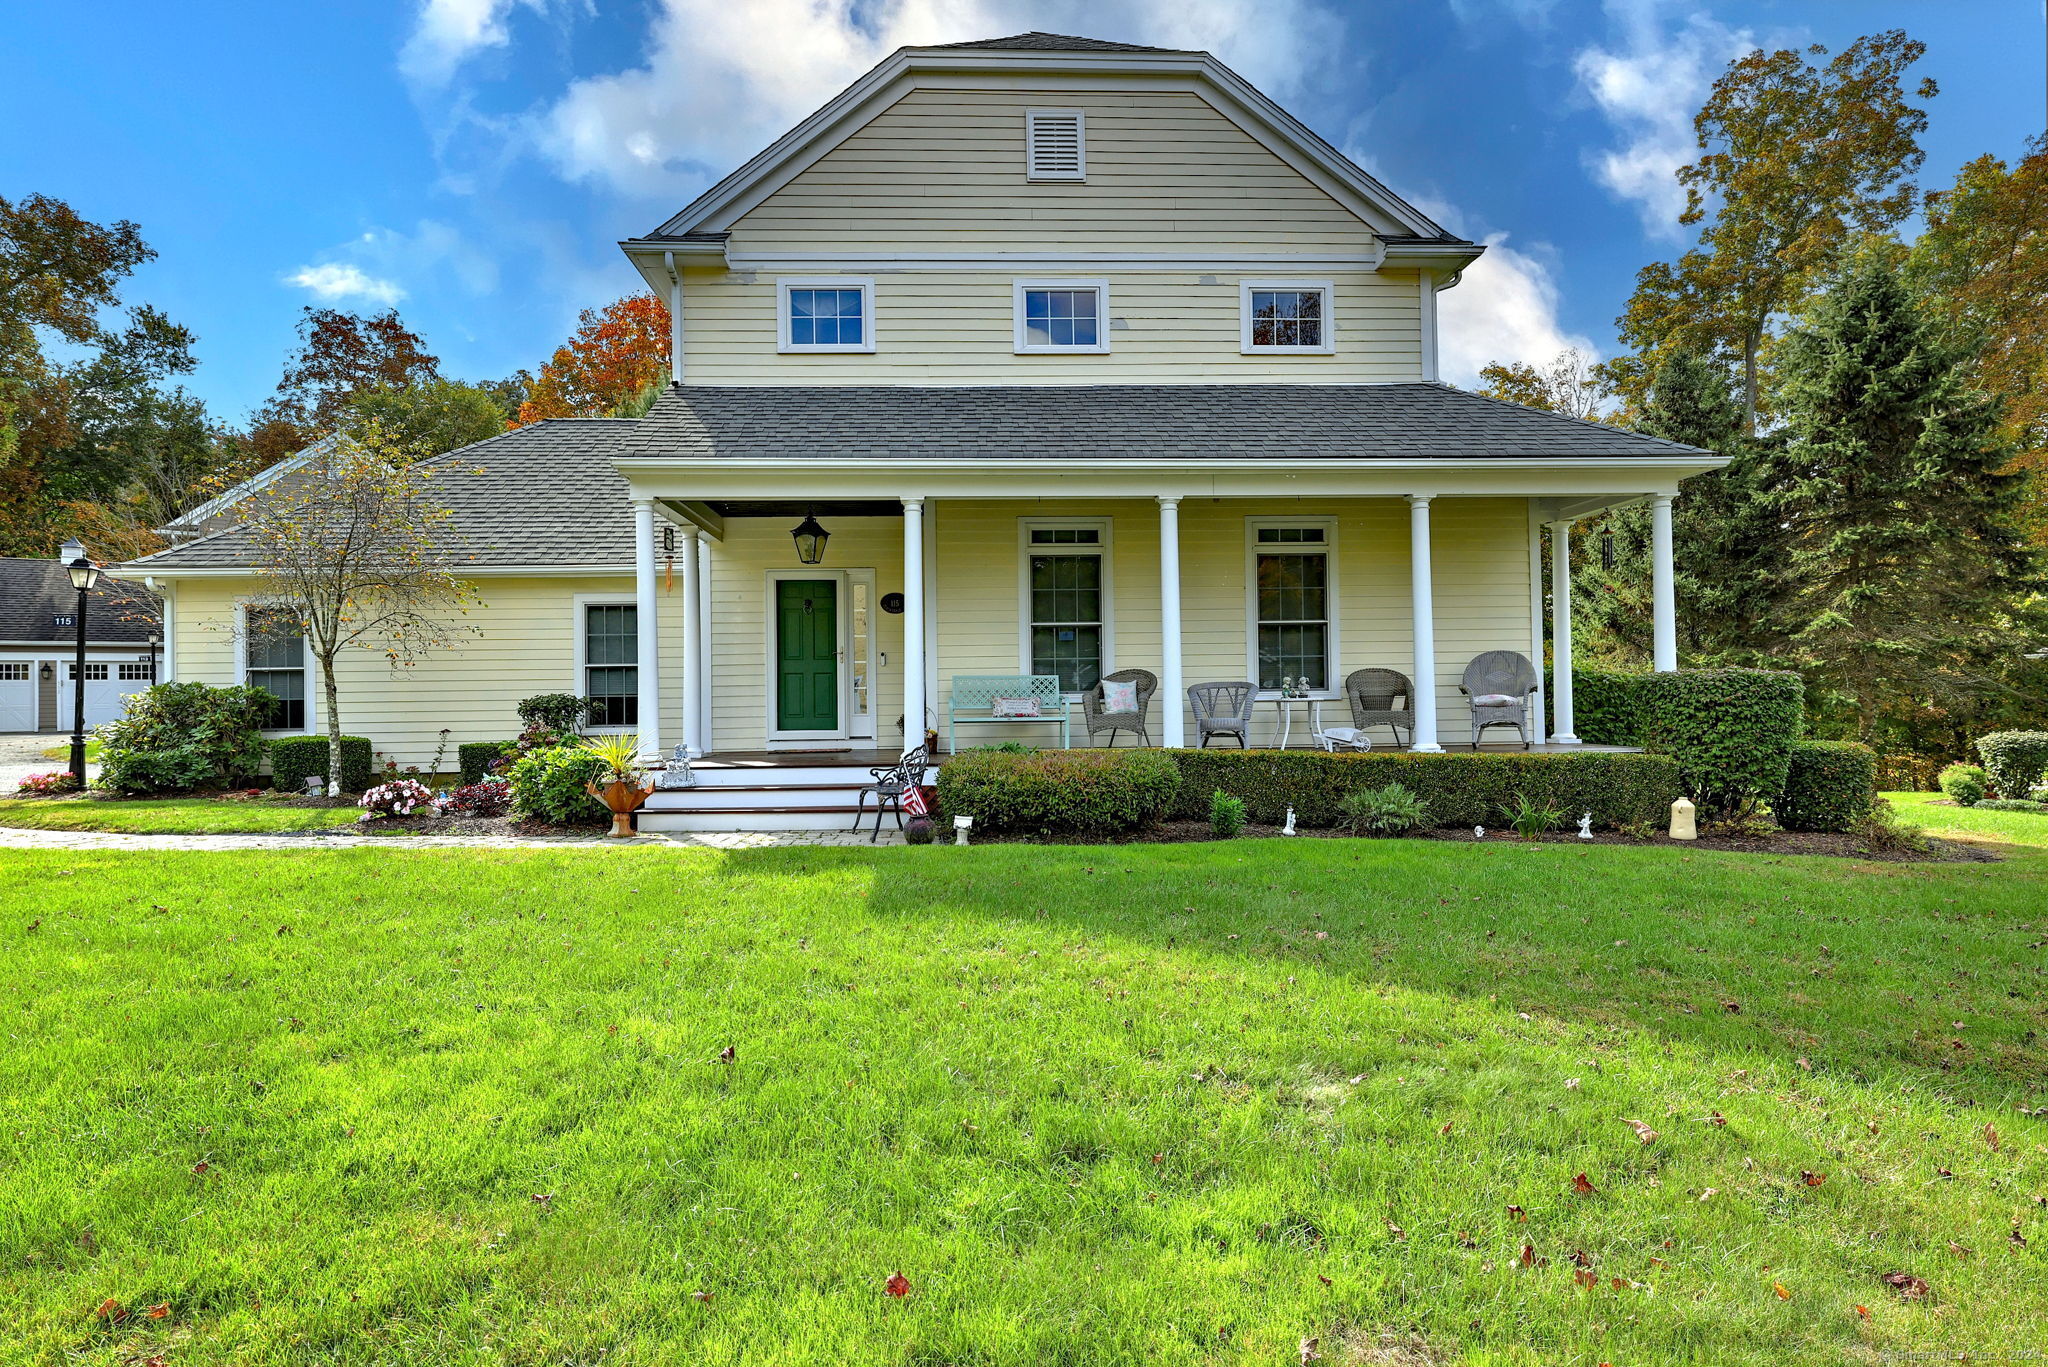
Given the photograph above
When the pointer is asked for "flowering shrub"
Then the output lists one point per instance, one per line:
(399, 798)
(47, 785)
(491, 797)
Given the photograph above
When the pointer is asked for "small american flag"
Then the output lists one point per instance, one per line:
(914, 803)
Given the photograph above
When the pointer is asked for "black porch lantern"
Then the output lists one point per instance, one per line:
(1607, 551)
(810, 541)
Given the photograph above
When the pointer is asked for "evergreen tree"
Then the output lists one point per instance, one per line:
(1902, 582)
(1720, 533)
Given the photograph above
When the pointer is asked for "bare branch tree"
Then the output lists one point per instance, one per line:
(359, 553)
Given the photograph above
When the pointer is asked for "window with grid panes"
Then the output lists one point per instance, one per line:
(1293, 567)
(275, 661)
(1066, 595)
(611, 663)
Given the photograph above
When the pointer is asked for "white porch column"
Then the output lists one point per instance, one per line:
(1542, 707)
(1173, 727)
(1663, 596)
(647, 603)
(1561, 632)
(913, 624)
(692, 738)
(703, 734)
(1424, 736)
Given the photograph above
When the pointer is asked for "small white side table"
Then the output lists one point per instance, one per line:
(1286, 706)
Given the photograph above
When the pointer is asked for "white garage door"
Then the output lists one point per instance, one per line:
(107, 682)
(17, 695)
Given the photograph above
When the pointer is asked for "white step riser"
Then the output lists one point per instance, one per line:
(724, 799)
(814, 776)
(659, 823)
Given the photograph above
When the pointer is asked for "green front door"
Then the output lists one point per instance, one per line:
(806, 655)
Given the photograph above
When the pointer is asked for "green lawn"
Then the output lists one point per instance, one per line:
(1098, 1105)
(1967, 823)
(170, 815)
(62, 752)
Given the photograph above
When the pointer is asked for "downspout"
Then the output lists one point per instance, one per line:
(675, 319)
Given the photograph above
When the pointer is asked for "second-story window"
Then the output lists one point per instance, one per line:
(826, 313)
(1062, 315)
(1285, 316)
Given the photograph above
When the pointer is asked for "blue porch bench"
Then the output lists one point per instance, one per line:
(987, 697)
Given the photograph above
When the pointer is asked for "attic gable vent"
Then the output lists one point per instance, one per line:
(1055, 144)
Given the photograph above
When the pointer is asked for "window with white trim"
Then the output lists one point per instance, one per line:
(1055, 144)
(1285, 316)
(1293, 593)
(14, 671)
(94, 673)
(133, 672)
(1066, 601)
(825, 314)
(274, 659)
(1061, 316)
(611, 664)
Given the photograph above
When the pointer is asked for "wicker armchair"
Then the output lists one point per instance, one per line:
(1099, 721)
(1223, 709)
(1382, 697)
(1500, 684)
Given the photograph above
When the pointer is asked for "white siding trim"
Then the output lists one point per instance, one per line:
(1106, 528)
(864, 283)
(1046, 153)
(1333, 653)
(1246, 346)
(1018, 289)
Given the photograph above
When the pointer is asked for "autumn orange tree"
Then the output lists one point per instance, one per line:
(616, 354)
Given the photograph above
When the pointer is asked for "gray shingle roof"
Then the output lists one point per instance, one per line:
(1052, 42)
(1120, 422)
(542, 495)
(34, 593)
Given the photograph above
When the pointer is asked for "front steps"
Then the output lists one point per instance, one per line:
(799, 792)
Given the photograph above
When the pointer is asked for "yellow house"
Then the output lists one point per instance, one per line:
(1019, 364)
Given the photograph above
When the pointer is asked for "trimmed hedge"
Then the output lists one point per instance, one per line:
(1608, 705)
(1731, 731)
(2016, 760)
(475, 758)
(1075, 792)
(293, 759)
(1830, 785)
(1461, 790)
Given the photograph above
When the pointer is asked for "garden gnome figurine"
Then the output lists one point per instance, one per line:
(1288, 829)
(1682, 825)
(1586, 826)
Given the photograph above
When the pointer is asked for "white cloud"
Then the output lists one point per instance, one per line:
(448, 32)
(720, 79)
(333, 281)
(1649, 87)
(1505, 309)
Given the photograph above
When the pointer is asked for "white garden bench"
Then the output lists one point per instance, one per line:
(1006, 698)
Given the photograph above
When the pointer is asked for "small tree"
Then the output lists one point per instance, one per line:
(360, 554)
(1570, 384)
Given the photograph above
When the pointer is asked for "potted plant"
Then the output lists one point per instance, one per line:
(624, 789)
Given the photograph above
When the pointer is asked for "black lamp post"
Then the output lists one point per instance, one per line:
(84, 574)
(810, 540)
(154, 641)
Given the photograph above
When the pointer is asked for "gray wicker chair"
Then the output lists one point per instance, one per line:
(1500, 684)
(1382, 697)
(1223, 709)
(1099, 720)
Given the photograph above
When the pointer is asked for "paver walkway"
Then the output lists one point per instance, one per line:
(11, 838)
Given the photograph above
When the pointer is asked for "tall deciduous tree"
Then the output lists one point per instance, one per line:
(617, 353)
(1798, 162)
(428, 417)
(360, 555)
(1570, 383)
(1902, 579)
(340, 355)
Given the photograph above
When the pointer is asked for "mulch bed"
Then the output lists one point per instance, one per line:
(398, 827)
(1777, 842)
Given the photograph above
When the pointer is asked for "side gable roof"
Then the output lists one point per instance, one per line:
(903, 70)
(34, 593)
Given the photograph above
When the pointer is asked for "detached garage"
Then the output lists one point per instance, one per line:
(39, 645)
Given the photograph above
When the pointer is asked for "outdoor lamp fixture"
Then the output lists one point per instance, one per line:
(1607, 551)
(155, 643)
(84, 574)
(810, 541)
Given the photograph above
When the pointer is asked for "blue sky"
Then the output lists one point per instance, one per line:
(473, 161)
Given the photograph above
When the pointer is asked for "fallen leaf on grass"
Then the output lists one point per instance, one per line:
(1444, 1130)
(1862, 1311)
(1571, 1084)
(1812, 1179)
(1991, 1137)
(1783, 1294)
(1585, 1278)
(702, 1297)
(1959, 1250)
(1584, 1187)
(2016, 1239)
(1396, 1230)
(1643, 1132)
(1521, 1216)
(544, 1199)
(1906, 1284)
(110, 1310)
(1581, 1258)
(1709, 1193)
(1324, 1280)
(1732, 1008)
(1714, 1118)
(897, 1285)
(163, 1308)
(727, 1054)
(1308, 1351)
(1527, 1257)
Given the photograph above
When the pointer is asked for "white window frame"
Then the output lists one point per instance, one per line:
(27, 668)
(1104, 528)
(1080, 171)
(1333, 686)
(141, 674)
(864, 283)
(312, 726)
(579, 685)
(1019, 288)
(1328, 290)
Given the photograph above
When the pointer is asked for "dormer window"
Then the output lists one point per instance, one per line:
(1055, 144)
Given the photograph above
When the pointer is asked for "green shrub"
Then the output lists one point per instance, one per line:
(193, 735)
(1081, 792)
(1882, 832)
(475, 758)
(1608, 705)
(558, 712)
(1731, 731)
(2011, 804)
(1226, 815)
(294, 759)
(1967, 784)
(1461, 790)
(547, 784)
(1392, 810)
(2016, 760)
(1829, 786)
